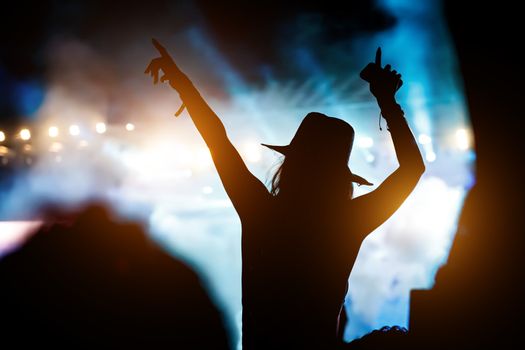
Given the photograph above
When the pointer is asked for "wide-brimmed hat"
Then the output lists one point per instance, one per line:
(321, 133)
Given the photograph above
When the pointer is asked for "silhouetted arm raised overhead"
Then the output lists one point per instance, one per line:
(243, 188)
(372, 209)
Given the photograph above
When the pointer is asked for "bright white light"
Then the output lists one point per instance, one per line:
(252, 152)
(202, 157)
(178, 153)
(52, 131)
(14, 233)
(100, 128)
(463, 139)
(207, 189)
(25, 134)
(424, 139)
(130, 127)
(160, 161)
(74, 130)
(365, 142)
(2, 136)
(430, 156)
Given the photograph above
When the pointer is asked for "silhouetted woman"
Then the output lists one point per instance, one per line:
(300, 240)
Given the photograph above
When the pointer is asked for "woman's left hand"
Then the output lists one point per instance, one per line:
(165, 62)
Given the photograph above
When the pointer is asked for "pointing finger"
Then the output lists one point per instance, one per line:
(163, 52)
(378, 56)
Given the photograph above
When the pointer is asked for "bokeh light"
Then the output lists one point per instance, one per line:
(74, 130)
(52, 131)
(100, 128)
(25, 134)
(463, 139)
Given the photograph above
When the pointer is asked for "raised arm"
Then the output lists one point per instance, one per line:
(244, 189)
(372, 209)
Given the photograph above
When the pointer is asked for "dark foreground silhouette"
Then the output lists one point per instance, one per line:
(300, 240)
(477, 301)
(91, 282)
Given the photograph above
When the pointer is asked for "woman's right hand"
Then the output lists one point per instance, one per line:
(384, 82)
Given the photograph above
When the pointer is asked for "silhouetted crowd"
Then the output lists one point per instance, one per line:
(88, 281)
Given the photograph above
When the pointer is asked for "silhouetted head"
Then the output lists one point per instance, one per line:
(89, 281)
(316, 160)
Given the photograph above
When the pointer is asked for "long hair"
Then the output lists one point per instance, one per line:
(291, 172)
(275, 183)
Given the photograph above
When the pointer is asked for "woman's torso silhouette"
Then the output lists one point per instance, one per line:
(299, 245)
(297, 257)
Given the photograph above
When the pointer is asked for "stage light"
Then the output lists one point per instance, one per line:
(25, 134)
(252, 152)
(52, 131)
(207, 190)
(100, 128)
(74, 130)
(424, 139)
(463, 139)
(2, 136)
(430, 156)
(130, 127)
(365, 142)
